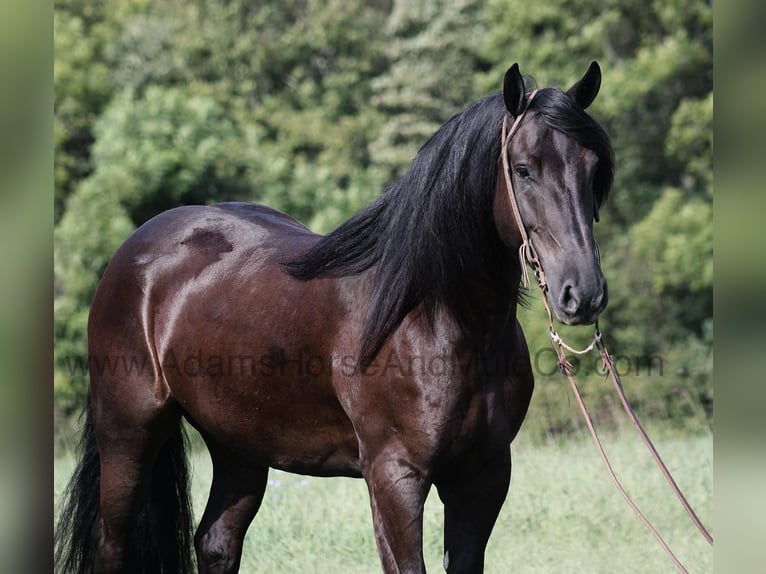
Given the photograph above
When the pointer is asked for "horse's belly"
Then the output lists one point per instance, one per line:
(292, 424)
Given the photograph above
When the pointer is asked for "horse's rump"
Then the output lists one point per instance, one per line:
(241, 347)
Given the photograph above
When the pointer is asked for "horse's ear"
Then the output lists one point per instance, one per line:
(585, 91)
(513, 90)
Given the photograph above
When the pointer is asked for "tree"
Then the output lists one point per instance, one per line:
(434, 54)
(82, 88)
(83, 83)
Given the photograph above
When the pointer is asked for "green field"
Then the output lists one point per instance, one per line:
(562, 513)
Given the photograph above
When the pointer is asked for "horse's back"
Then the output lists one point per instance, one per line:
(212, 231)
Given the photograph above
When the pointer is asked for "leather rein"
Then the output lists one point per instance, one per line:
(528, 255)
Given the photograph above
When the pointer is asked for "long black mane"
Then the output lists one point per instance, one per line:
(431, 235)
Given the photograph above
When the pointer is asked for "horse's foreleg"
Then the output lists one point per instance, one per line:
(472, 503)
(397, 494)
(235, 497)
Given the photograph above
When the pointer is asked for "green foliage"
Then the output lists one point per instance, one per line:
(82, 89)
(433, 55)
(680, 256)
(93, 227)
(83, 83)
(690, 143)
(313, 107)
(169, 148)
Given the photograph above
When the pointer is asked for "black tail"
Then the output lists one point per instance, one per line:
(163, 541)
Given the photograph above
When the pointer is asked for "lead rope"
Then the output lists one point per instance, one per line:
(527, 254)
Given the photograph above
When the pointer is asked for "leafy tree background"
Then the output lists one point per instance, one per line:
(314, 107)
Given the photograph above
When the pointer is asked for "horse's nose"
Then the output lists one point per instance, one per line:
(582, 304)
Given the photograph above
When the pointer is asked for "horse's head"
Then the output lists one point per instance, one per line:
(560, 165)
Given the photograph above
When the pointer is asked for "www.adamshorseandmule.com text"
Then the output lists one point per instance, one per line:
(276, 363)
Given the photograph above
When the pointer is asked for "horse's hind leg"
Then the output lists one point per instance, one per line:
(127, 458)
(235, 497)
(471, 505)
(123, 476)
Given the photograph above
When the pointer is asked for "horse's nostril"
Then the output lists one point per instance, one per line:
(578, 305)
(569, 300)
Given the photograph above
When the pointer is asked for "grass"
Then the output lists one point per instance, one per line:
(562, 513)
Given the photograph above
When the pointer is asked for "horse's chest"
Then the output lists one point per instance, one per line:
(479, 421)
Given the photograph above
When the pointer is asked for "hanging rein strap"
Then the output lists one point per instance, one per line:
(527, 254)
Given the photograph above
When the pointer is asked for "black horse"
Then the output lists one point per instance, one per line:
(387, 350)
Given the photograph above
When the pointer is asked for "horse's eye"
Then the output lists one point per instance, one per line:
(522, 171)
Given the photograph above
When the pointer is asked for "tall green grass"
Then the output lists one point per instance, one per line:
(562, 513)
